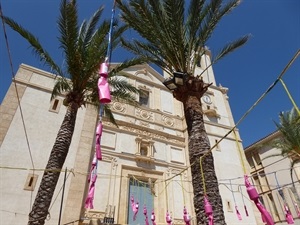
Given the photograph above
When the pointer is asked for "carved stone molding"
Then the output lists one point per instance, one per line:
(119, 107)
(168, 121)
(144, 114)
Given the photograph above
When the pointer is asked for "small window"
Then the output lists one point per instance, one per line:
(217, 145)
(144, 98)
(144, 150)
(257, 158)
(30, 182)
(55, 105)
(229, 207)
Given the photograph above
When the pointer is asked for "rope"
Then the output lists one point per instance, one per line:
(202, 176)
(240, 152)
(290, 96)
(18, 97)
(182, 190)
(109, 48)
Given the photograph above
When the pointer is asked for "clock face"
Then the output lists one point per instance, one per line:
(206, 99)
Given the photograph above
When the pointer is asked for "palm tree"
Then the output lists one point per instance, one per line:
(175, 40)
(289, 141)
(84, 48)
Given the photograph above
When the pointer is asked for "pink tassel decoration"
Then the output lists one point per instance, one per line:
(238, 213)
(252, 192)
(288, 216)
(168, 218)
(208, 211)
(98, 138)
(103, 87)
(186, 217)
(146, 216)
(135, 208)
(153, 218)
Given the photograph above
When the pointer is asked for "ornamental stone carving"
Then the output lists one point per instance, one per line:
(168, 121)
(144, 114)
(119, 107)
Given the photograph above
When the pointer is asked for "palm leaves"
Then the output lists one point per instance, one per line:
(172, 35)
(289, 143)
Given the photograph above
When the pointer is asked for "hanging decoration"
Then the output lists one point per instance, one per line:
(92, 180)
(207, 206)
(98, 138)
(146, 216)
(134, 207)
(245, 207)
(153, 218)
(235, 205)
(288, 215)
(208, 211)
(186, 217)
(253, 195)
(297, 209)
(168, 218)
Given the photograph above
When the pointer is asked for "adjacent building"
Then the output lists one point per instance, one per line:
(271, 176)
(145, 156)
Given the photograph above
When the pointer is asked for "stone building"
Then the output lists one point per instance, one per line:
(145, 156)
(272, 178)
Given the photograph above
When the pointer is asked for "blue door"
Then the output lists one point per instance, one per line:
(141, 194)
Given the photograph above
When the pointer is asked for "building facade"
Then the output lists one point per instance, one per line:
(145, 156)
(270, 174)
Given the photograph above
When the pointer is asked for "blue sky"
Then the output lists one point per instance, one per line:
(273, 24)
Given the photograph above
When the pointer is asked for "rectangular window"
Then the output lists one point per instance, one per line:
(30, 182)
(144, 98)
(257, 158)
(55, 105)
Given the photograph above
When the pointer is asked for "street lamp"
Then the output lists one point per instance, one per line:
(176, 80)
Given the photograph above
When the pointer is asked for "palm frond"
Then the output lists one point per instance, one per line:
(37, 48)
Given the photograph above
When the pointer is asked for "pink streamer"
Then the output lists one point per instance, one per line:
(98, 138)
(208, 211)
(103, 87)
(186, 217)
(168, 218)
(146, 216)
(134, 207)
(90, 198)
(238, 213)
(153, 218)
(288, 216)
(252, 192)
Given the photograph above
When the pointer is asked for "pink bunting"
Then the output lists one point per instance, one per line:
(153, 218)
(168, 218)
(252, 192)
(98, 138)
(134, 207)
(103, 87)
(186, 217)
(208, 211)
(288, 216)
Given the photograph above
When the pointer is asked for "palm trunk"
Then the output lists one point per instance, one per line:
(198, 146)
(39, 211)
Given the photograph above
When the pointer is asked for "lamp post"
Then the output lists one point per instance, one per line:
(176, 80)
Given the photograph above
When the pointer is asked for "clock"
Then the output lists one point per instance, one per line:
(206, 99)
